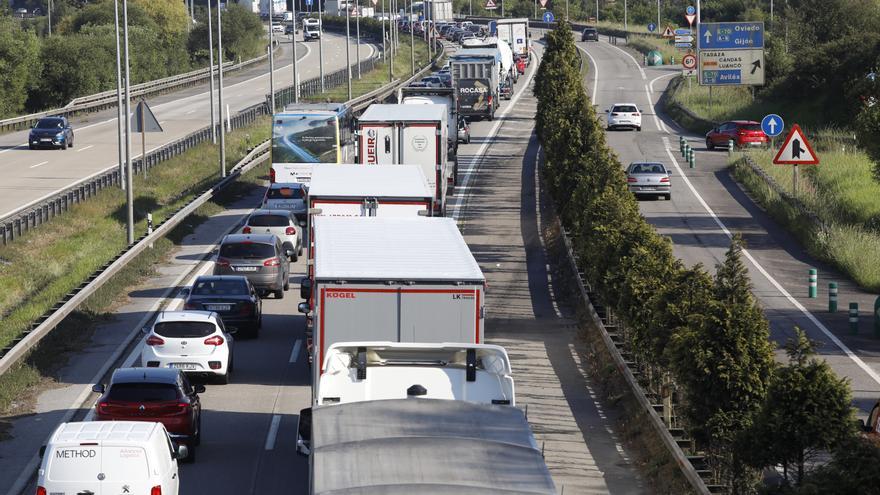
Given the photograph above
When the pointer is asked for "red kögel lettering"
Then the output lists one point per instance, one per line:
(341, 295)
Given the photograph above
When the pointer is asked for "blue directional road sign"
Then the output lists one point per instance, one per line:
(730, 35)
(652, 27)
(683, 32)
(309, 3)
(691, 10)
(548, 16)
(772, 125)
(493, 28)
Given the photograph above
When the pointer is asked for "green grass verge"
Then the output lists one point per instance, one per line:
(843, 197)
(378, 77)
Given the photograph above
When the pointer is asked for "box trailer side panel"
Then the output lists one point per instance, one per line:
(461, 322)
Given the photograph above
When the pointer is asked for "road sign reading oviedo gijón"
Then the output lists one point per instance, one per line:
(731, 53)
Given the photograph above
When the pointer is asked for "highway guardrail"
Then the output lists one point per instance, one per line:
(21, 346)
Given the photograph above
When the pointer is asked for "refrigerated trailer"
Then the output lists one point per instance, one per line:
(421, 446)
(412, 134)
(516, 33)
(392, 279)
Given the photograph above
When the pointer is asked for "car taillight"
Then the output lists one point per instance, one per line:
(42, 491)
(614, 114)
(245, 308)
(102, 407)
(664, 179)
(246, 230)
(490, 99)
(156, 490)
(190, 305)
(215, 340)
(154, 340)
(272, 175)
(223, 262)
(631, 179)
(636, 114)
(290, 231)
(272, 262)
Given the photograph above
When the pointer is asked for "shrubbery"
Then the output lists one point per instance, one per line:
(707, 332)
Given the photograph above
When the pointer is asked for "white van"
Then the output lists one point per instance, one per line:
(104, 457)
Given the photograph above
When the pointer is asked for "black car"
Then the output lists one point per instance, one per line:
(230, 296)
(590, 34)
(288, 29)
(51, 132)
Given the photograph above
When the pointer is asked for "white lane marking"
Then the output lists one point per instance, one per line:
(19, 147)
(541, 232)
(595, 74)
(487, 141)
(651, 106)
(39, 164)
(651, 84)
(638, 66)
(190, 112)
(273, 431)
(804, 311)
(294, 354)
(85, 148)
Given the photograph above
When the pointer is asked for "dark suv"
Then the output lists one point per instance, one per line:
(590, 34)
(51, 132)
(259, 257)
(161, 395)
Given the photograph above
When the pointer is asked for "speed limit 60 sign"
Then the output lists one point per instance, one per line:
(689, 61)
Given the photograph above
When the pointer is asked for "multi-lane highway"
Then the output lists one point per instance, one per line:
(249, 425)
(707, 205)
(32, 175)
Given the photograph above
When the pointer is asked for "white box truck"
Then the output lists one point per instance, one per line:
(475, 80)
(362, 371)
(391, 279)
(412, 134)
(412, 95)
(516, 33)
(507, 69)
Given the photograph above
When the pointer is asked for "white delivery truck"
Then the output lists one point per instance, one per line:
(475, 80)
(110, 457)
(507, 68)
(421, 446)
(515, 32)
(362, 371)
(412, 134)
(408, 95)
(311, 29)
(391, 279)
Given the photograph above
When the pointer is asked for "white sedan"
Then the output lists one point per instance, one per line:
(195, 342)
(624, 115)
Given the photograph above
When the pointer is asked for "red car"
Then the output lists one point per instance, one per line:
(743, 133)
(520, 64)
(162, 395)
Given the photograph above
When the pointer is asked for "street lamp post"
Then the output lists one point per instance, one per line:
(220, 92)
(119, 123)
(348, 44)
(211, 65)
(357, 28)
(412, 38)
(293, 42)
(129, 196)
(271, 59)
(320, 41)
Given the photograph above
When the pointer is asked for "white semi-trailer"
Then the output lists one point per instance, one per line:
(391, 279)
(421, 446)
(362, 371)
(515, 32)
(411, 134)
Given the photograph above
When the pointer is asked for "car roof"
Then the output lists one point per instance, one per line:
(270, 211)
(619, 104)
(145, 375)
(743, 122)
(258, 238)
(189, 315)
(98, 431)
(209, 278)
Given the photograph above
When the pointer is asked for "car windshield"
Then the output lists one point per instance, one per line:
(50, 124)
(247, 250)
(750, 127)
(220, 288)
(647, 168)
(268, 221)
(184, 329)
(285, 193)
(624, 108)
(142, 392)
(590, 30)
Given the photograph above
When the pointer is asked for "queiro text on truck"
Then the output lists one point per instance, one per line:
(392, 279)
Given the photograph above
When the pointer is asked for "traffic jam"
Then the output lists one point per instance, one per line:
(409, 324)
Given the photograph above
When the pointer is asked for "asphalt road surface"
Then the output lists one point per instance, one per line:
(708, 205)
(32, 175)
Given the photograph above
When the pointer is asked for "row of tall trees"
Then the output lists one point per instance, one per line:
(705, 331)
(39, 72)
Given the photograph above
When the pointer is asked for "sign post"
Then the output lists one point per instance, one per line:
(796, 150)
(144, 121)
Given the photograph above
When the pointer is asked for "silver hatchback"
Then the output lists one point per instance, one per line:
(649, 179)
(259, 257)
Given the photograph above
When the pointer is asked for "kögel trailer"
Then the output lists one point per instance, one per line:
(392, 279)
(411, 134)
(475, 79)
(361, 371)
(421, 446)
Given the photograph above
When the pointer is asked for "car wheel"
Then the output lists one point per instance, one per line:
(191, 454)
(639, 128)
(299, 251)
(279, 294)
(668, 197)
(197, 438)
(31, 147)
(709, 144)
(224, 379)
(254, 330)
(286, 286)
(294, 257)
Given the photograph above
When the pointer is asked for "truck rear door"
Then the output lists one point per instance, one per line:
(73, 469)
(351, 314)
(440, 314)
(420, 145)
(126, 470)
(377, 144)
(520, 39)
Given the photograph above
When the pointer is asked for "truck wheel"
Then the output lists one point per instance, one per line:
(279, 294)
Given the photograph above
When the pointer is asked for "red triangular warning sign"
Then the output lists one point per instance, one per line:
(490, 4)
(796, 150)
(668, 33)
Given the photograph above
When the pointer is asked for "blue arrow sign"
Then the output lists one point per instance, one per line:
(652, 27)
(309, 3)
(718, 35)
(690, 10)
(772, 125)
(682, 32)
(548, 16)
